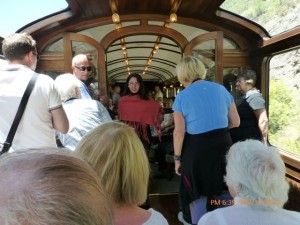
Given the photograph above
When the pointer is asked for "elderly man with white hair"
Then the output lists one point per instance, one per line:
(256, 179)
(81, 67)
(83, 114)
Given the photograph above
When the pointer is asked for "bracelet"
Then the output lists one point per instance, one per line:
(177, 157)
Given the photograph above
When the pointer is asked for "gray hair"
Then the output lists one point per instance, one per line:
(51, 186)
(77, 59)
(17, 45)
(249, 76)
(189, 69)
(256, 172)
(67, 84)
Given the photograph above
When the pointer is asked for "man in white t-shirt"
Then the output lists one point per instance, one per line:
(44, 112)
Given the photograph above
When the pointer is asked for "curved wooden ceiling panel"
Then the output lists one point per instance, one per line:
(194, 17)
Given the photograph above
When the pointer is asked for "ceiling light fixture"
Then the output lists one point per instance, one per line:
(115, 18)
(173, 17)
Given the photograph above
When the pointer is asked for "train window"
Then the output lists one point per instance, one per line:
(275, 16)
(55, 47)
(284, 107)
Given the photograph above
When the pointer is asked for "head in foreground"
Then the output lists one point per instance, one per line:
(51, 186)
(117, 155)
(256, 172)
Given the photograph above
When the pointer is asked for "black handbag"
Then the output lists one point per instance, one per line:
(11, 134)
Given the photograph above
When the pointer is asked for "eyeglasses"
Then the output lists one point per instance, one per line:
(133, 84)
(83, 68)
(37, 55)
(240, 81)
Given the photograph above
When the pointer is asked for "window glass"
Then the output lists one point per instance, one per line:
(284, 98)
(205, 51)
(276, 16)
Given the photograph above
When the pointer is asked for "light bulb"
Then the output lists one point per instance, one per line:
(115, 18)
(173, 17)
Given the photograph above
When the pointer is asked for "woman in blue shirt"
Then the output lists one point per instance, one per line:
(203, 112)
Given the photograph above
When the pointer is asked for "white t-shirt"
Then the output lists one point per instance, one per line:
(247, 215)
(156, 218)
(35, 129)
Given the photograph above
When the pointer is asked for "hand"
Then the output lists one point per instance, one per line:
(104, 100)
(177, 167)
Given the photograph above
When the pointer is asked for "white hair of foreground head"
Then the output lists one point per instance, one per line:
(256, 173)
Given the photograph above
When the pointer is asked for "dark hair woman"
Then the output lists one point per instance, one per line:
(139, 111)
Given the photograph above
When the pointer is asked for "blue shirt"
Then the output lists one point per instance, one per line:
(84, 91)
(204, 106)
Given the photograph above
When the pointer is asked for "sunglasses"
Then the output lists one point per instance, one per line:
(83, 68)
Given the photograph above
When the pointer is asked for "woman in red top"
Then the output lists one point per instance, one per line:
(139, 111)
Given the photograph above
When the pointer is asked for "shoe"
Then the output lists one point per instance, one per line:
(180, 218)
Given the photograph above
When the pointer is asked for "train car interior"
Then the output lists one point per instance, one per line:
(150, 37)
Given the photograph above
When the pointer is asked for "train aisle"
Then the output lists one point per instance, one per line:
(164, 195)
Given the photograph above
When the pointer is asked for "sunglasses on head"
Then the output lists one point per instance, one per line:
(83, 68)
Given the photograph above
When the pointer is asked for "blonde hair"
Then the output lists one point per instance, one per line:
(189, 69)
(116, 153)
(66, 85)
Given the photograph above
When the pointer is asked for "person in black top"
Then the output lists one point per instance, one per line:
(251, 109)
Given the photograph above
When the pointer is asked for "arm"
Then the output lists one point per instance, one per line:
(262, 118)
(233, 116)
(60, 120)
(178, 137)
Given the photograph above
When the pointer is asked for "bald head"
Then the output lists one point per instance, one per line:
(50, 186)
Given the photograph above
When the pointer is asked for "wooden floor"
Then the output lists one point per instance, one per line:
(163, 194)
(166, 204)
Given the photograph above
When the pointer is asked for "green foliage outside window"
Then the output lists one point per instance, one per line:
(284, 118)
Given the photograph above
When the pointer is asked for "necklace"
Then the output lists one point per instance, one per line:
(196, 80)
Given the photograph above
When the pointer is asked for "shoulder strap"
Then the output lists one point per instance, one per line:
(11, 134)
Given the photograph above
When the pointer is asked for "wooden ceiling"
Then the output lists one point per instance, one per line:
(192, 14)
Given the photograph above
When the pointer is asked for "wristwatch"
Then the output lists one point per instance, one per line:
(177, 157)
